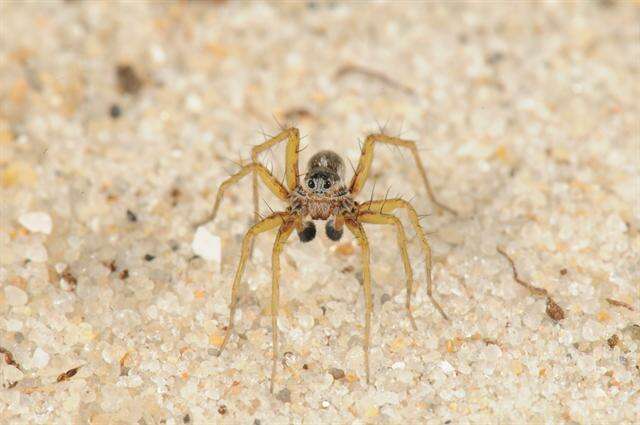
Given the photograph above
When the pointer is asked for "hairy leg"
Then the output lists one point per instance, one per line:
(268, 223)
(281, 239)
(377, 218)
(387, 206)
(292, 136)
(356, 228)
(258, 170)
(364, 165)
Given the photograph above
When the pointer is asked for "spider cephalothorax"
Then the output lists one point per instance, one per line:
(323, 195)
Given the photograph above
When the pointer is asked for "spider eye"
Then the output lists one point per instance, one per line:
(311, 184)
(327, 184)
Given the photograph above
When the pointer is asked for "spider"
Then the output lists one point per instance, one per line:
(323, 195)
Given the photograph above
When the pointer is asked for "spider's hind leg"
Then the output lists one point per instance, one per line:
(377, 218)
(281, 239)
(356, 228)
(388, 206)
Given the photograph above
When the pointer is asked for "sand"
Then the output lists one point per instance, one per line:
(120, 120)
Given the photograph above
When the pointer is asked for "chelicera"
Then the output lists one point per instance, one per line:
(322, 194)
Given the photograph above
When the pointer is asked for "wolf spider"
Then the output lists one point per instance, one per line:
(323, 195)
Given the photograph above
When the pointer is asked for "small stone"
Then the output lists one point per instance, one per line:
(40, 358)
(131, 216)
(115, 111)
(36, 222)
(14, 325)
(634, 330)
(336, 373)
(15, 296)
(193, 103)
(18, 173)
(306, 321)
(35, 252)
(206, 245)
(345, 249)
(446, 367)
(284, 395)
(128, 80)
(613, 341)
(398, 365)
(371, 411)
(554, 310)
(591, 330)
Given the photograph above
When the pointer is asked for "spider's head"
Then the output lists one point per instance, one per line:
(324, 173)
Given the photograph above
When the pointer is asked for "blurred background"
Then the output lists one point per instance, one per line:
(119, 120)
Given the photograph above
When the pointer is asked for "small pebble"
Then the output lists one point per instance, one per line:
(306, 321)
(40, 358)
(128, 80)
(193, 103)
(336, 373)
(36, 252)
(15, 296)
(12, 374)
(398, 365)
(554, 310)
(131, 216)
(36, 222)
(115, 111)
(446, 367)
(284, 395)
(206, 245)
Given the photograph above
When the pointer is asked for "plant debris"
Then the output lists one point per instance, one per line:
(619, 304)
(376, 75)
(553, 309)
(68, 374)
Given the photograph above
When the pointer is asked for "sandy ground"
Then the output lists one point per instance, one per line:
(119, 122)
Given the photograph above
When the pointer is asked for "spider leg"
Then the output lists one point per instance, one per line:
(387, 206)
(281, 239)
(358, 231)
(258, 170)
(292, 135)
(364, 165)
(378, 218)
(262, 226)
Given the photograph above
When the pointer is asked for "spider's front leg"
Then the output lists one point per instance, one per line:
(271, 222)
(258, 170)
(292, 136)
(364, 165)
